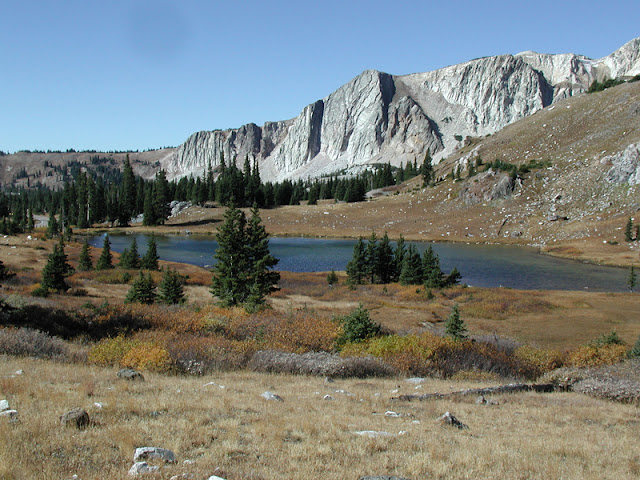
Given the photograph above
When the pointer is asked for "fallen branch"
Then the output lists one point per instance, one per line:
(511, 388)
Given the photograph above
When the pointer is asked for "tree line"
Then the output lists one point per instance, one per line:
(376, 261)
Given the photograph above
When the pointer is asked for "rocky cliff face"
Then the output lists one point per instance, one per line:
(377, 117)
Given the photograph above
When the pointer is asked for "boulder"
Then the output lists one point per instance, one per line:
(142, 468)
(78, 417)
(149, 453)
(449, 419)
(130, 374)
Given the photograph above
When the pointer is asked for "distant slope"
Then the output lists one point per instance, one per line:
(377, 117)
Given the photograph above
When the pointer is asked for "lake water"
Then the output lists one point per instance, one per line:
(480, 265)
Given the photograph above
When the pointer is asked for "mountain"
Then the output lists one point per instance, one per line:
(378, 117)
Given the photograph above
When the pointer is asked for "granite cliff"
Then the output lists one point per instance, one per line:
(378, 117)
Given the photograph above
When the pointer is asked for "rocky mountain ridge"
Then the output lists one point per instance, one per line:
(377, 117)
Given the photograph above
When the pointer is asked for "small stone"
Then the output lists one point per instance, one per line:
(78, 417)
(142, 468)
(328, 380)
(373, 434)
(12, 415)
(381, 477)
(449, 419)
(148, 453)
(272, 396)
(327, 397)
(215, 477)
(389, 413)
(4, 405)
(130, 374)
(415, 380)
(183, 476)
(19, 372)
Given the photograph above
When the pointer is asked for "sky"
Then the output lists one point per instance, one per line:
(140, 74)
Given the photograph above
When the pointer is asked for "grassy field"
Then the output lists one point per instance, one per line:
(234, 433)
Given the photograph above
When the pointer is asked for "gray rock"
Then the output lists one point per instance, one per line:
(415, 380)
(449, 419)
(4, 405)
(183, 476)
(382, 477)
(215, 477)
(130, 374)
(625, 166)
(78, 417)
(153, 453)
(142, 468)
(272, 396)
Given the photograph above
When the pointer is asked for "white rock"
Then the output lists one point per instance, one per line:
(146, 453)
(215, 477)
(12, 415)
(4, 405)
(272, 396)
(142, 468)
(373, 433)
(327, 397)
(415, 380)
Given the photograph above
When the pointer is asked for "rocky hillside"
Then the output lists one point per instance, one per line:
(378, 117)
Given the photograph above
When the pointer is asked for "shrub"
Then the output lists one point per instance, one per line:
(539, 361)
(635, 351)
(31, 343)
(357, 326)
(607, 339)
(590, 355)
(111, 351)
(147, 356)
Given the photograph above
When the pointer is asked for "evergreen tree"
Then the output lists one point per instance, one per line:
(427, 170)
(130, 258)
(161, 198)
(143, 290)
(52, 226)
(262, 277)
(56, 269)
(631, 281)
(431, 272)
(84, 261)
(149, 215)
(453, 278)
(371, 255)
(357, 326)
(411, 273)
(398, 254)
(150, 259)
(385, 264)
(455, 326)
(106, 260)
(332, 278)
(628, 231)
(231, 271)
(5, 274)
(171, 288)
(128, 203)
(357, 266)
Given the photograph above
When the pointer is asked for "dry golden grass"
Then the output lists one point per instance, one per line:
(236, 434)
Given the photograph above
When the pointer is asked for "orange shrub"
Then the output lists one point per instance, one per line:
(111, 351)
(591, 356)
(539, 360)
(147, 356)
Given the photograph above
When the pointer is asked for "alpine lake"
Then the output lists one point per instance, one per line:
(480, 265)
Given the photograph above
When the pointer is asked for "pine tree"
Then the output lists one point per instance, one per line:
(427, 170)
(262, 277)
(150, 259)
(455, 326)
(161, 198)
(356, 267)
(371, 255)
(84, 261)
(432, 274)
(130, 259)
(411, 273)
(52, 226)
(128, 203)
(143, 290)
(171, 288)
(105, 261)
(384, 264)
(332, 278)
(56, 269)
(628, 231)
(5, 274)
(631, 281)
(398, 254)
(149, 216)
(453, 278)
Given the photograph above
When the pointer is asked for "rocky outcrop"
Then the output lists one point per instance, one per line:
(625, 166)
(487, 187)
(377, 117)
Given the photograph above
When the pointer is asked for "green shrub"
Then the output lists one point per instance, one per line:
(357, 326)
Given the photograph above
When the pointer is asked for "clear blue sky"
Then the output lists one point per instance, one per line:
(138, 74)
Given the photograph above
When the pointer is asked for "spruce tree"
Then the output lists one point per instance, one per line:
(411, 273)
(84, 261)
(5, 274)
(52, 226)
(631, 280)
(56, 269)
(398, 254)
(149, 216)
(143, 290)
(262, 277)
(150, 259)
(455, 326)
(171, 288)
(384, 264)
(628, 231)
(356, 267)
(130, 258)
(105, 261)
(427, 170)
(371, 255)
(431, 272)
